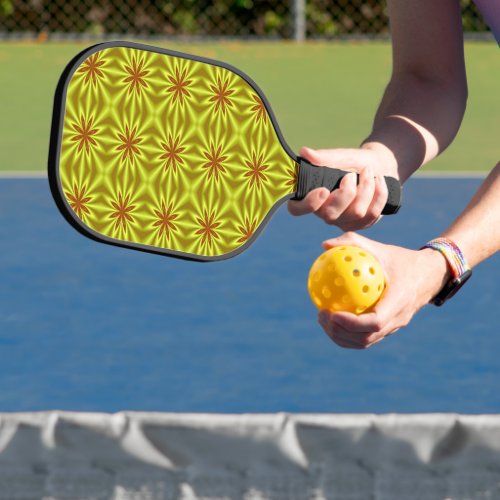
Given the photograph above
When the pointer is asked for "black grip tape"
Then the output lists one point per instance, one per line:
(312, 177)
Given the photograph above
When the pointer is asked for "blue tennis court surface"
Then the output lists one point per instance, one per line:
(86, 326)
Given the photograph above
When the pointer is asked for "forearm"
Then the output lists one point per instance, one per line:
(416, 120)
(424, 103)
(477, 230)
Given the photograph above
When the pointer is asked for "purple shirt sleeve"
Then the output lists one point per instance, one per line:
(490, 9)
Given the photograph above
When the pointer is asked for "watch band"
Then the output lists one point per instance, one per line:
(458, 265)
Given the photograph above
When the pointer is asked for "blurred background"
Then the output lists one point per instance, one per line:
(338, 68)
(283, 19)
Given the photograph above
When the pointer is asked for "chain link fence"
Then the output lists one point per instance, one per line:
(285, 19)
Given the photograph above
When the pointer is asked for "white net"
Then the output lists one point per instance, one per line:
(160, 456)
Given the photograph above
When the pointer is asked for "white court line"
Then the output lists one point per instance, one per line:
(23, 175)
(455, 174)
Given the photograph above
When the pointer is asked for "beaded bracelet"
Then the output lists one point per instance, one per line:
(452, 254)
(460, 269)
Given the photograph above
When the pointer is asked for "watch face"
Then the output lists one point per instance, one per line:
(451, 288)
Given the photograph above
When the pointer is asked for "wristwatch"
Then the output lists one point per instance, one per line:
(460, 270)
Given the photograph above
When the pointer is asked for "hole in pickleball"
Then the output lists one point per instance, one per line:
(362, 254)
(379, 288)
(339, 281)
(317, 276)
(359, 310)
(346, 299)
(372, 270)
(356, 273)
(366, 289)
(327, 293)
(348, 258)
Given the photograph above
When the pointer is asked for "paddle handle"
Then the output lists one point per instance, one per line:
(312, 177)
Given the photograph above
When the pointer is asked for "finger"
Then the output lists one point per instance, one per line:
(362, 324)
(366, 209)
(374, 221)
(380, 196)
(365, 191)
(338, 201)
(362, 340)
(372, 343)
(348, 338)
(341, 340)
(393, 332)
(382, 320)
(375, 339)
(339, 335)
(324, 318)
(359, 224)
(391, 312)
(311, 203)
(354, 339)
(348, 238)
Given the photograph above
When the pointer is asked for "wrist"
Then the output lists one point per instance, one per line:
(437, 274)
(386, 156)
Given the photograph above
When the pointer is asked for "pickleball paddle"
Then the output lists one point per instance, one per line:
(172, 153)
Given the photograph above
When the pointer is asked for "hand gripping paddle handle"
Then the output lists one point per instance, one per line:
(311, 177)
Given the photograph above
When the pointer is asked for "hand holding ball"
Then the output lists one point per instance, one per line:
(346, 278)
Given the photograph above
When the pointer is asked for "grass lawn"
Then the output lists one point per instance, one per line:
(323, 94)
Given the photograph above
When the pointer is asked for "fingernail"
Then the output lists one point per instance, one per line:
(323, 194)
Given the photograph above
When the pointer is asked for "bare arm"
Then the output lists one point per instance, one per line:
(477, 229)
(418, 117)
(424, 102)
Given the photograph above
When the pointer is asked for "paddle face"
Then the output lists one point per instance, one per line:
(164, 152)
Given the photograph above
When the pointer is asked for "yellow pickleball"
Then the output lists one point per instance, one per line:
(346, 278)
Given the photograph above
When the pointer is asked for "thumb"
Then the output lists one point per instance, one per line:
(349, 238)
(339, 157)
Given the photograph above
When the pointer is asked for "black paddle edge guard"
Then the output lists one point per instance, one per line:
(56, 131)
(312, 177)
